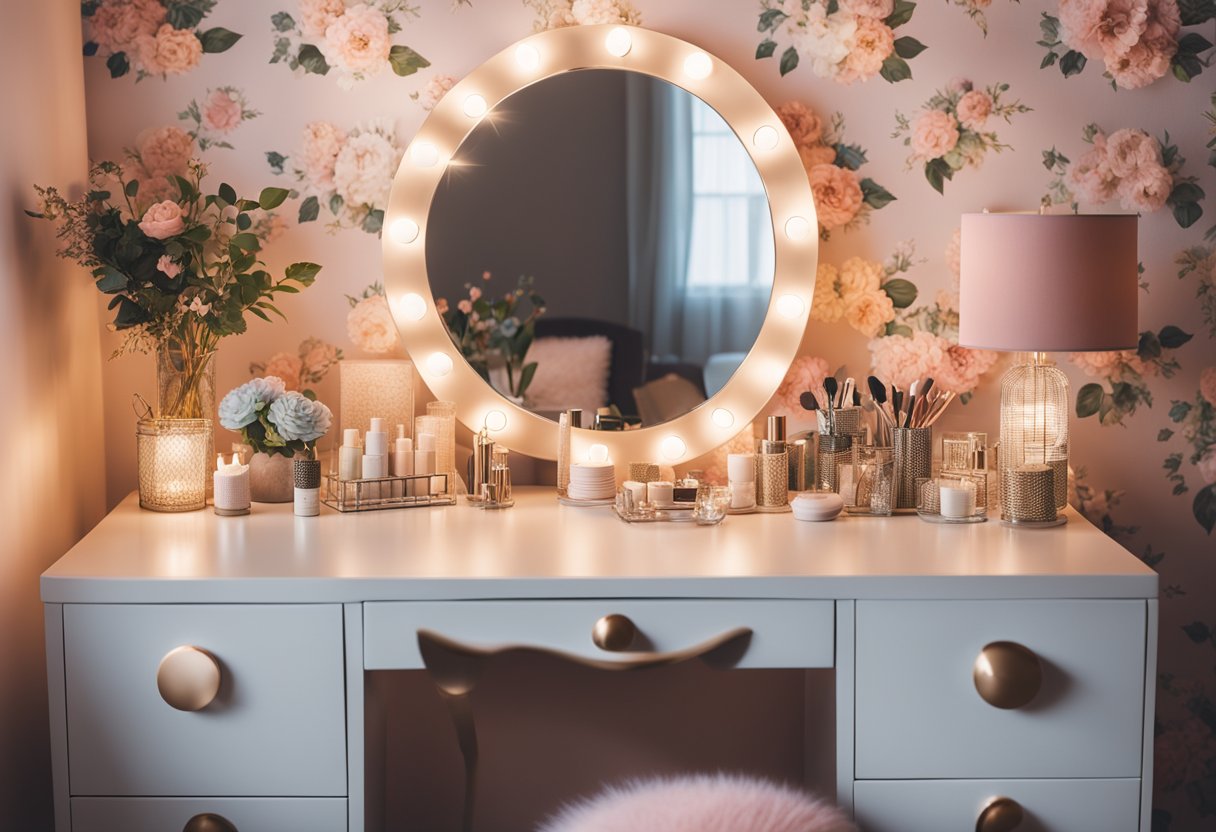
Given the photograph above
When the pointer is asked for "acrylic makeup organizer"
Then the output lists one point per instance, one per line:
(379, 493)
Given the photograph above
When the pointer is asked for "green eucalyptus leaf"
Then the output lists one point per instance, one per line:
(310, 209)
(1089, 400)
(218, 40)
(789, 61)
(766, 48)
(908, 47)
(901, 292)
(406, 61)
(272, 198)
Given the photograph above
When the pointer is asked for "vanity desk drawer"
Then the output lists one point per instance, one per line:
(784, 633)
(258, 693)
(198, 814)
(1067, 679)
(963, 805)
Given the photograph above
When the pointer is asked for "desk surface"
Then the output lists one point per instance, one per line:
(540, 549)
(544, 550)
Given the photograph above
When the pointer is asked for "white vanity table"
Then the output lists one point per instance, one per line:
(296, 610)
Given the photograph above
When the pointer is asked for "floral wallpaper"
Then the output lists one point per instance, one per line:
(906, 114)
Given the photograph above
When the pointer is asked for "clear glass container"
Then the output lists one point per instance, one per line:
(175, 463)
(1034, 423)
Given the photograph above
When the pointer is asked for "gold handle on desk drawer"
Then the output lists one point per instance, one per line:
(188, 678)
(614, 632)
(207, 822)
(1001, 815)
(1007, 675)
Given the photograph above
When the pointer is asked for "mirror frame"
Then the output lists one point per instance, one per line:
(791, 207)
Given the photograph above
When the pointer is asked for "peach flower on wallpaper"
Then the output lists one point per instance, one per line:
(152, 37)
(556, 14)
(436, 88)
(953, 130)
(1129, 165)
(1194, 421)
(843, 199)
(310, 364)
(369, 323)
(1138, 41)
(844, 40)
(217, 115)
(353, 40)
(865, 294)
(1198, 263)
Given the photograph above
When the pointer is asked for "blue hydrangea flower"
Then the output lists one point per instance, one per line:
(295, 416)
(240, 407)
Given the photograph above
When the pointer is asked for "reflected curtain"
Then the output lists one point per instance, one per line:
(659, 199)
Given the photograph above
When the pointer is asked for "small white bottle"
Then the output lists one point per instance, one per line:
(375, 456)
(307, 476)
(402, 461)
(350, 455)
(424, 459)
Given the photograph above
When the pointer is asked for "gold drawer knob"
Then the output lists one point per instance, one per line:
(188, 679)
(208, 822)
(1007, 675)
(614, 632)
(1001, 815)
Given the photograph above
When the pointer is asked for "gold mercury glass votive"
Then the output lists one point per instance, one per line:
(174, 463)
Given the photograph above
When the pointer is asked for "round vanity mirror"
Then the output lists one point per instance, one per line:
(602, 216)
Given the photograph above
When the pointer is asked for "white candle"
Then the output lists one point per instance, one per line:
(659, 493)
(637, 490)
(741, 467)
(231, 485)
(957, 499)
(742, 494)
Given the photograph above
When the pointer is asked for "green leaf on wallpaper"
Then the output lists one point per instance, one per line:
(243, 222)
(1193, 43)
(218, 39)
(227, 193)
(1197, 632)
(282, 22)
(833, 6)
(1072, 63)
(1048, 60)
(1187, 213)
(875, 195)
(312, 60)
(373, 222)
(1171, 337)
(304, 273)
(276, 161)
(309, 209)
(131, 188)
(271, 198)
(766, 48)
(1204, 507)
(335, 203)
(1089, 400)
(849, 156)
(186, 15)
(1149, 346)
(770, 19)
(900, 14)
(895, 69)
(1172, 463)
(406, 61)
(90, 48)
(1164, 435)
(789, 60)
(118, 65)
(907, 47)
(901, 292)
(88, 8)
(1179, 411)
(1194, 12)
(937, 171)
(1186, 66)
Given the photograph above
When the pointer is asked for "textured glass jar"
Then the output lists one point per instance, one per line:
(174, 463)
(1034, 424)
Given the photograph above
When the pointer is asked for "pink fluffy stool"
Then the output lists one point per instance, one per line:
(699, 803)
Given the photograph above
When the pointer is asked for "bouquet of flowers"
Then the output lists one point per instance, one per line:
(181, 265)
(485, 329)
(156, 37)
(273, 420)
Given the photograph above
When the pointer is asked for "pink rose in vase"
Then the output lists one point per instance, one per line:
(163, 220)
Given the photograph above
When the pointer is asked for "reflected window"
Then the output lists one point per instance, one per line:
(728, 197)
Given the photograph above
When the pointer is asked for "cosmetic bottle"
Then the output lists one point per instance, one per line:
(350, 455)
(483, 462)
(424, 463)
(401, 461)
(774, 436)
(307, 477)
(375, 457)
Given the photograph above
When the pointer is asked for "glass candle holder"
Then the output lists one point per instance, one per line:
(174, 463)
(445, 440)
(712, 503)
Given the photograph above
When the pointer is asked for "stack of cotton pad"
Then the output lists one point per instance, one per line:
(592, 481)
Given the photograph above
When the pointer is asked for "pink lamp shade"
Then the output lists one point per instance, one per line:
(1048, 283)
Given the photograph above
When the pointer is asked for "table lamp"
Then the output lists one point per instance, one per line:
(1035, 283)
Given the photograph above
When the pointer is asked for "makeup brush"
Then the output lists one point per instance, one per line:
(911, 402)
(922, 407)
(808, 401)
(856, 399)
(877, 389)
(846, 395)
(832, 387)
(897, 399)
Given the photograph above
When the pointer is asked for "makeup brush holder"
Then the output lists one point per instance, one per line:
(847, 421)
(873, 470)
(833, 452)
(913, 461)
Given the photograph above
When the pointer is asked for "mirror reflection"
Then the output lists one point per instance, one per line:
(602, 238)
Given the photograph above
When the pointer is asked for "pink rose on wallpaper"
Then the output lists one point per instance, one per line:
(806, 372)
(317, 358)
(171, 51)
(435, 89)
(117, 25)
(859, 276)
(877, 9)
(837, 194)
(370, 325)
(1129, 150)
(1207, 465)
(1092, 175)
(364, 168)
(804, 124)
(319, 151)
(961, 369)
(164, 150)
(163, 220)
(869, 312)
(974, 108)
(1147, 189)
(166, 266)
(221, 111)
(317, 15)
(873, 43)
(954, 253)
(828, 305)
(1207, 385)
(359, 40)
(287, 367)
(934, 134)
(901, 360)
(819, 154)
(1098, 364)
(1097, 28)
(587, 12)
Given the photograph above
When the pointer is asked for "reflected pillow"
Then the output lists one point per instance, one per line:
(570, 372)
(666, 398)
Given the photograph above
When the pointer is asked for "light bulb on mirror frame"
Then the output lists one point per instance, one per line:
(403, 230)
(439, 363)
(527, 57)
(790, 306)
(424, 154)
(475, 106)
(797, 228)
(673, 447)
(722, 417)
(495, 420)
(698, 66)
(765, 137)
(619, 42)
(411, 306)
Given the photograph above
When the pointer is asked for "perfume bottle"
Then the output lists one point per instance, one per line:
(965, 456)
